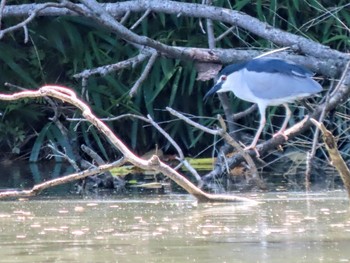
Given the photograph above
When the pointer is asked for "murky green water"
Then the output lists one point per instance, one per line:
(285, 227)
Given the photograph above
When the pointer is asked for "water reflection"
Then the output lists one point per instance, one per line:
(22, 174)
(282, 228)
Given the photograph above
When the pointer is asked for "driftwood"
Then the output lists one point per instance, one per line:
(153, 163)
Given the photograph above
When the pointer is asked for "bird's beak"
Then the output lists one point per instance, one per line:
(214, 89)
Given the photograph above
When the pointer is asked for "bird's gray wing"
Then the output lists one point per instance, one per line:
(276, 85)
(275, 65)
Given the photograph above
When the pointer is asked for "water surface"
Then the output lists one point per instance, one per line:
(284, 227)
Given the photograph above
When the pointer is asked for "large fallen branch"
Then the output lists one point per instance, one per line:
(320, 58)
(153, 163)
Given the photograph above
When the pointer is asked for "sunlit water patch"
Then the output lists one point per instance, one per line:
(283, 227)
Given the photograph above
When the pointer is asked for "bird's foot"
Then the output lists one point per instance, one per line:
(280, 133)
(252, 147)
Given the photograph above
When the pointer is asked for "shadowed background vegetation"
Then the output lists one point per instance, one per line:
(60, 47)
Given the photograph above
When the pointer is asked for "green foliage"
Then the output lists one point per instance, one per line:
(60, 47)
(14, 134)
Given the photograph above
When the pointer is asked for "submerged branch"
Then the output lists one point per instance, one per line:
(62, 180)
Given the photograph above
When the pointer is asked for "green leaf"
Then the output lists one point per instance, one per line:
(39, 142)
(175, 87)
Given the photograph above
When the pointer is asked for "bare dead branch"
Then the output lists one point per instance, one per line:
(69, 96)
(181, 157)
(93, 155)
(64, 156)
(153, 163)
(30, 18)
(311, 154)
(232, 17)
(131, 62)
(225, 102)
(328, 66)
(214, 13)
(100, 15)
(192, 123)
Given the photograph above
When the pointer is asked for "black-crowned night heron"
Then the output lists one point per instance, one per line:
(267, 82)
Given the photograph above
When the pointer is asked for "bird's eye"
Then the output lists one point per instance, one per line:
(223, 77)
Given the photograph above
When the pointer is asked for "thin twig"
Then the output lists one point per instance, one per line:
(140, 19)
(238, 147)
(167, 136)
(26, 35)
(123, 116)
(125, 17)
(272, 52)
(192, 123)
(144, 74)
(311, 154)
(244, 113)
(2, 6)
(93, 155)
(343, 76)
(210, 28)
(224, 34)
(181, 157)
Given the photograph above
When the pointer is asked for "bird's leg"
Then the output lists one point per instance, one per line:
(262, 110)
(285, 122)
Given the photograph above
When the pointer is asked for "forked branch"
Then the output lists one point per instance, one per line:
(153, 163)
